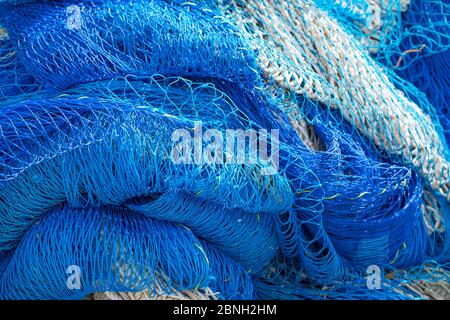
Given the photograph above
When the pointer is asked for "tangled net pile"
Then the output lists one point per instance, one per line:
(353, 93)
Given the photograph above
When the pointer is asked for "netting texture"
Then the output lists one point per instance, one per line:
(349, 99)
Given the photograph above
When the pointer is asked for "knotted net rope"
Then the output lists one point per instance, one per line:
(92, 92)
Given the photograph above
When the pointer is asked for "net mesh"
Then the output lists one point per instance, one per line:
(350, 95)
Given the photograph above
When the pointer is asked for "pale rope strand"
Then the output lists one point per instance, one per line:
(206, 294)
(3, 34)
(156, 291)
(308, 52)
(282, 74)
(384, 14)
(430, 209)
(432, 214)
(434, 289)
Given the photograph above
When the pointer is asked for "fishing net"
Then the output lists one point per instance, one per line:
(223, 149)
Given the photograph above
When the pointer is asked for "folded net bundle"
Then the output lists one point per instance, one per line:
(350, 96)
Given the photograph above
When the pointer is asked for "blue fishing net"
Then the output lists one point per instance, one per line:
(99, 100)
